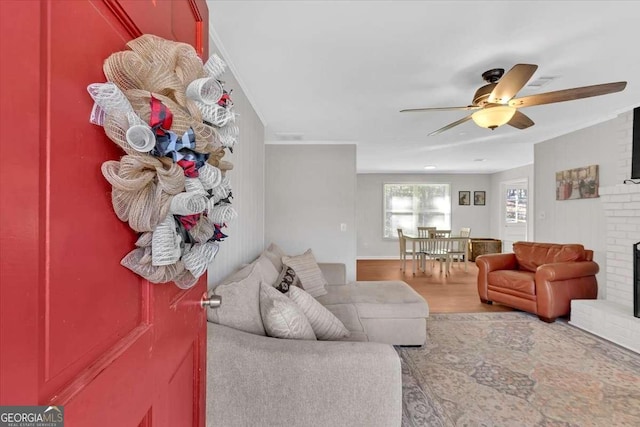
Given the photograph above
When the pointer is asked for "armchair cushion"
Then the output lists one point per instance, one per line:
(519, 281)
(531, 255)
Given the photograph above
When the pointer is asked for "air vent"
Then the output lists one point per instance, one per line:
(289, 136)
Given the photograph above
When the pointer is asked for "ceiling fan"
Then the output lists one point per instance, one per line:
(495, 104)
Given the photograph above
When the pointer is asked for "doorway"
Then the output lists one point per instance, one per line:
(514, 212)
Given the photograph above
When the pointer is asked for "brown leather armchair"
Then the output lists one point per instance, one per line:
(540, 278)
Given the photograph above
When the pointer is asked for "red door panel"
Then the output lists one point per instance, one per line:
(77, 329)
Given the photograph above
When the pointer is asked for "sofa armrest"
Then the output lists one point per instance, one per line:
(256, 380)
(335, 273)
(491, 262)
(566, 270)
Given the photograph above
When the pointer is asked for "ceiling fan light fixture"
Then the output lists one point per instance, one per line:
(492, 117)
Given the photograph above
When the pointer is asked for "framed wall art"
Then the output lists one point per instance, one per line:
(464, 198)
(479, 198)
(578, 183)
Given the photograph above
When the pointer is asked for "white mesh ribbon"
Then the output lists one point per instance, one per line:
(232, 113)
(207, 90)
(188, 203)
(215, 114)
(215, 66)
(220, 214)
(185, 280)
(110, 98)
(134, 119)
(203, 230)
(144, 239)
(210, 176)
(199, 257)
(228, 134)
(165, 243)
(141, 138)
(194, 186)
(221, 191)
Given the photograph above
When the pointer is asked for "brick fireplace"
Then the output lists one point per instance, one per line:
(612, 317)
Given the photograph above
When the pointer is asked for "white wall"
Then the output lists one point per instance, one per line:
(310, 191)
(495, 220)
(246, 232)
(578, 221)
(370, 208)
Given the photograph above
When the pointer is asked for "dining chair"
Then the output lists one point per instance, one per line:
(439, 233)
(404, 251)
(437, 249)
(459, 248)
(422, 245)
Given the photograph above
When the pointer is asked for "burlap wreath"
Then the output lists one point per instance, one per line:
(172, 117)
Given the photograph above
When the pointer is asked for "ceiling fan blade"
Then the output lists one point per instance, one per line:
(450, 125)
(511, 83)
(468, 107)
(520, 121)
(568, 94)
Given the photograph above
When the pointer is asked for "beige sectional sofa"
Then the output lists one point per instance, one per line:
(253, 379)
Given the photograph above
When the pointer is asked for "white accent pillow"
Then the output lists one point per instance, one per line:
(240, 294)
(275, 254)
(307, 270)
(281, 317)
(325, 324)
(269, 272)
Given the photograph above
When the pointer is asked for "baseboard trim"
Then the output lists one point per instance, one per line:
(374, 257)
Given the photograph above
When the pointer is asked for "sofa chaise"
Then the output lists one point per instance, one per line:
(254, 379)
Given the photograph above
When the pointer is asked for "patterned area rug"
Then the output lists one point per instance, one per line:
(511, 369)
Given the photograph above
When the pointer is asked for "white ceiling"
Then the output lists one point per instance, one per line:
(340, 71)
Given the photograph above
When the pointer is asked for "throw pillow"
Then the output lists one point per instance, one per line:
(269, 272)
(240, 294)
(275, 254)
(282, 318)
(325, 324)
(306, 268)
(286, 279)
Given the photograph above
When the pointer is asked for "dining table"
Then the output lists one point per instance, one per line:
(464, 241)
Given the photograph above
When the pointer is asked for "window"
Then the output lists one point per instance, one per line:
(409, 206)
(516, 206)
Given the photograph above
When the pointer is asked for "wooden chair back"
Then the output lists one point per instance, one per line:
(439, 234)
(424, 232)
(403, 243)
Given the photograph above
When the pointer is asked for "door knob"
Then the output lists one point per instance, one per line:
(214, 302)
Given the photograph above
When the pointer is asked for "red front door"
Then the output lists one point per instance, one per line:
(77, 329)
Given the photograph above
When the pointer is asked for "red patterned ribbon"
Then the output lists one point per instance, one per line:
(189, 221)
(161, 117)
(189, 167)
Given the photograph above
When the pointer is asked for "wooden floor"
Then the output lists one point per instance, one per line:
(457, 293)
